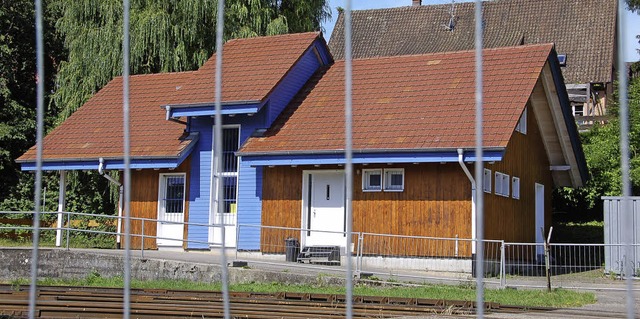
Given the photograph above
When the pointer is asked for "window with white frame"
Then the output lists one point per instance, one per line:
(515, 187)
(372, 180)
(394, 179)
(502, 182)
(522, 123)
(486, 182)
(172, 193)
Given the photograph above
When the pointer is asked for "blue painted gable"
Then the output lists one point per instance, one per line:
(249, 198)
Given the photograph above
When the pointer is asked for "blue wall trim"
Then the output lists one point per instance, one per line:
(209, 110)
(167, 163)
(368, 158)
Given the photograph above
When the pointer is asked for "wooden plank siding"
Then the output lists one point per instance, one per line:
(436, 202)
(144, 202)
(512, 219)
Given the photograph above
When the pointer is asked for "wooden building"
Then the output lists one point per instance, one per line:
(172, 116)
(413, 140)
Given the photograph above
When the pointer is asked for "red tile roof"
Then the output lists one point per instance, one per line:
(252, 67)
(95, 129)
(416, 102)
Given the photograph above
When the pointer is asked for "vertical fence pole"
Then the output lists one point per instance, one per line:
(142, 239)
(479, 163)
(348, 152)
(457, 246)
(627, 211)
(39, 132)
(61, 200)
(237, 237)
(503, 277)
(127, 160)
(68, 227)
(217, 156)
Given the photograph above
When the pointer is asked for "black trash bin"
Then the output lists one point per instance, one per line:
(292, 249)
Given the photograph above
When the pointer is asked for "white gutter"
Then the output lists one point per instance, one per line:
(473, 198)
(120, 193)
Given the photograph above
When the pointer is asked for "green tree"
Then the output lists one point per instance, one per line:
(166, 36)
(18, 82)
(602, 151)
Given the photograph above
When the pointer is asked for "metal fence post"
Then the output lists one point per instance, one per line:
(503, 277)
(359, 256)
(237, 236)
(68, 228)
(142, 241)
(457, 243)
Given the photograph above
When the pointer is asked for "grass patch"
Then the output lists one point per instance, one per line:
(76, 240)
(531, 298)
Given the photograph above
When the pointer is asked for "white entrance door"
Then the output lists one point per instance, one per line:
(539, 218)
(226, 216)
(325, 212)
(171, 210)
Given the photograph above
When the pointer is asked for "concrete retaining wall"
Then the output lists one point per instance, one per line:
(60, 263)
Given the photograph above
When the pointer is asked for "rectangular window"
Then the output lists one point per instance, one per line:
(486, 183)
(502, 184)
(371, 180)
(230, 144)
(522, 123)
(515, 186)
(394, 179)
(173, 193)
(229, 172)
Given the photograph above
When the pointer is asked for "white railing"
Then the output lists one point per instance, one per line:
(430, 259)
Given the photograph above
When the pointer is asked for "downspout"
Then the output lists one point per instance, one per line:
(120, 194)
(473, 199)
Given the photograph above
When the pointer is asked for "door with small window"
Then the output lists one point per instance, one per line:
(228, 217)
(324, 214)
(171, 206)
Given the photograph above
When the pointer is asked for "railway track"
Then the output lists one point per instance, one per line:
(87, 302)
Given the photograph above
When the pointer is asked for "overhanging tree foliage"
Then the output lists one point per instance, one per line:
(18, 82)
(166, 36)
(602, 151)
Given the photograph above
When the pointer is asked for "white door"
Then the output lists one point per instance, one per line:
(325, 213)
(226, 217)
(171, 210)
(229, 216)
(539, 218)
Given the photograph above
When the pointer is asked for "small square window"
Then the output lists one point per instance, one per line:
(486, 182)
(371, 180)
(515, 186)
(394, 179)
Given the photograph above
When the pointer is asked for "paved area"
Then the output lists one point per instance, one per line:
(610, 294)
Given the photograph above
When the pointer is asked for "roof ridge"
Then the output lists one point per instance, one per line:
(299, 34)
(519, 47)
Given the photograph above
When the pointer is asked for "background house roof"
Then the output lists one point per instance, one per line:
(416, 102)
(584, 30)
(252, 67)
